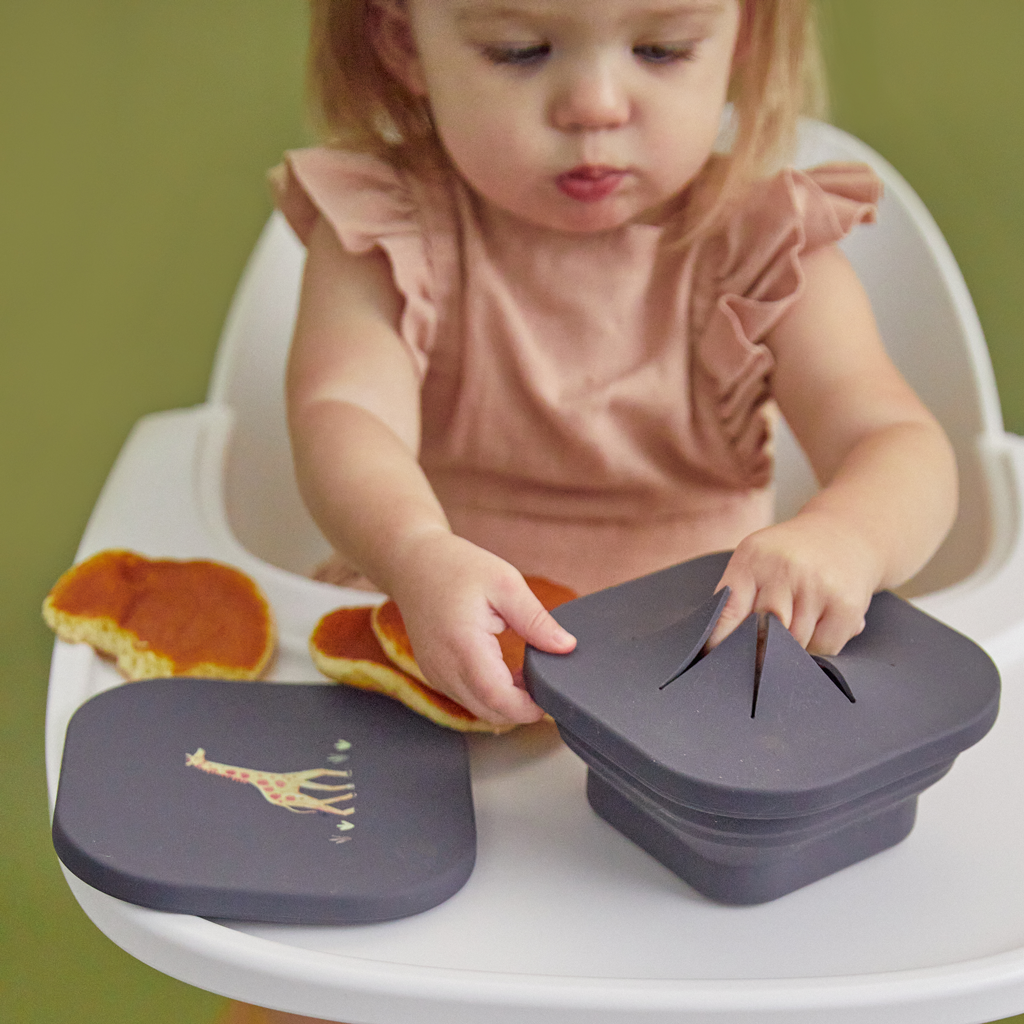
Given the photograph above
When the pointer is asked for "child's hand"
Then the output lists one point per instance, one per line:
(817, 579)
(455, 599)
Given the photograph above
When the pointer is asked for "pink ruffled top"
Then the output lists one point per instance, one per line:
(594, 407)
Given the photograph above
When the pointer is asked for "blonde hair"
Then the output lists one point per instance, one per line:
(778, 78)
(356, 103)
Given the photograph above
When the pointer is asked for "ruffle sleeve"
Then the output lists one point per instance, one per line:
(749, 275)
(369, 205)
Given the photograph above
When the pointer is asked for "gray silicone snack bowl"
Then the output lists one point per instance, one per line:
(744, 798)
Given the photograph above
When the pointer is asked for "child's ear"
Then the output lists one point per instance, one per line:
(392, 38)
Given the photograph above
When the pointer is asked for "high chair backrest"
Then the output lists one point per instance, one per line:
(918, 294)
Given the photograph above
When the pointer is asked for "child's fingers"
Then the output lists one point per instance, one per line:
(456, 639)
(822, 626)
(489, 685)
(471, 670)
(805, 620)
(524, 614)
(501, 704)
(467, 665)
(840, 621)
(490, 690)
(737, 608)
(826, 613)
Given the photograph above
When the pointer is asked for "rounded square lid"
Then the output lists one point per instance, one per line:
(301, 804)
(769, 736)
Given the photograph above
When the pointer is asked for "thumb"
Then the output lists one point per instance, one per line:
(527, 617)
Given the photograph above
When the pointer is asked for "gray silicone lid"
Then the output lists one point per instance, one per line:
(304, 804)
(921, 692)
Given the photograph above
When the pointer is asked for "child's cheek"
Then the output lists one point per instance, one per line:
(492, 155)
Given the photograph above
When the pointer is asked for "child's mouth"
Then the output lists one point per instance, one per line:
(588, 183)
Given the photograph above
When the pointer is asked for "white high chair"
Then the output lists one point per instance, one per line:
(564, 921)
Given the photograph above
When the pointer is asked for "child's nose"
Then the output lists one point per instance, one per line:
(590, 97)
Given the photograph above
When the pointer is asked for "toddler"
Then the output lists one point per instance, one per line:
(546, 325)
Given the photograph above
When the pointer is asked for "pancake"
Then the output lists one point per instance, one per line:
(164, 617)
(344, 647)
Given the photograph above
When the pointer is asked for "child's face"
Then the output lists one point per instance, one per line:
(576, 115)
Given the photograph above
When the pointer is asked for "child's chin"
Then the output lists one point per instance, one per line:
(588, 218)
(563, 214)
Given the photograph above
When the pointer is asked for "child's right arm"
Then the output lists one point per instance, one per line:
(354, 419)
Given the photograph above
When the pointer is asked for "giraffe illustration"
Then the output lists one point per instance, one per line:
(282, 789)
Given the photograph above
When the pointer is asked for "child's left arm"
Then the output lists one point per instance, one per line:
(888, 475)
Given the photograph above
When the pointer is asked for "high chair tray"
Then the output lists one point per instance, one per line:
(257, 802)
(564, 920)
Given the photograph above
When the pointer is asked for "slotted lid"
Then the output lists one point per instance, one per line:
(921, 693)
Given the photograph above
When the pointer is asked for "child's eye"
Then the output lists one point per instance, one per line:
(530, 54)
(664, 53)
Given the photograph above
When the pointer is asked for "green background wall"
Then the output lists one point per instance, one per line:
(133, 141)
